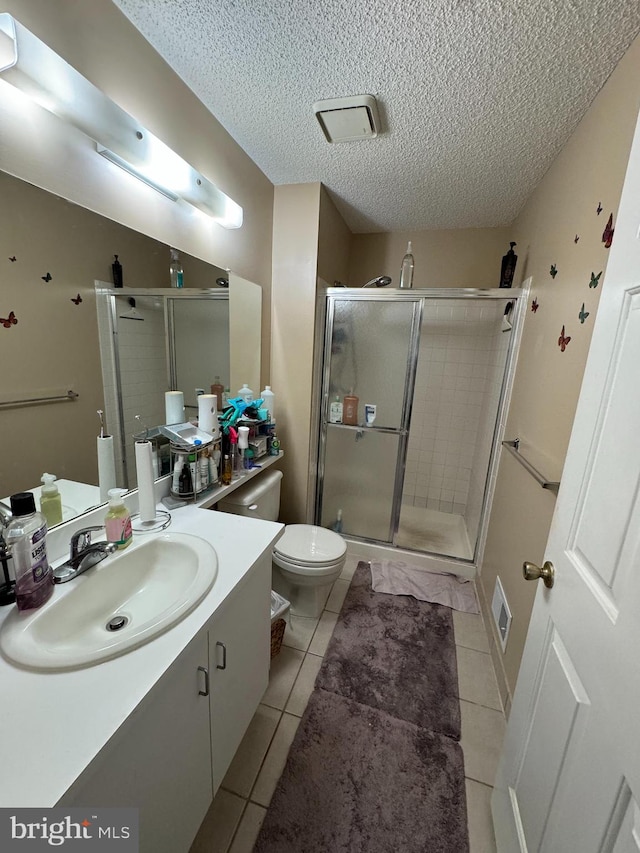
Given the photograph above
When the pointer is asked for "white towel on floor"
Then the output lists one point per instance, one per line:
(399, 578)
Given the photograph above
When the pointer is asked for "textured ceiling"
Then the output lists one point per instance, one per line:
(476, 96)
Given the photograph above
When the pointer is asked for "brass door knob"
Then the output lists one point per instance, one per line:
(532, 572)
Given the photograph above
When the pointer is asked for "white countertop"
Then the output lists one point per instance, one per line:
(55, 723)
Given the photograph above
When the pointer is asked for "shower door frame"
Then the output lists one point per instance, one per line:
(519, 296)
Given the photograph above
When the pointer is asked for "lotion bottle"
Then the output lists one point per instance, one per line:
(117, 521)
(176, 273)
(26, 536)
(50, 500)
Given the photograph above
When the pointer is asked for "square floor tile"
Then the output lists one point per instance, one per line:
(320, 641)
(248, 759)
(299, 631)
(303, 687)
(469, 631)
(476, 678)
(337, 595)
(248, 830)
(275, 760)
(481, 836)
(350, 567)
(282, 675)
(482, 736)
(219, 824)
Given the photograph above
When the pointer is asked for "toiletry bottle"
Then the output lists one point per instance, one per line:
(26, 536)
(247, 458)
(269, 402)
(176, 274)
(218, 388)
(203, 469)
(177, 471)
(274, 447)
(233, 452)
(50, 500)
(406, 270)
(226, 471)
(185, 483)
(350, 410)
(246, 393)
(116, 269)
(117, 521)
(226, 394)
(335, 412)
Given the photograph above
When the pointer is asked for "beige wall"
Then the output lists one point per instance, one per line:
(334, 243)
(295, 263)
(465, 257)
(97, 40)
(589, 170)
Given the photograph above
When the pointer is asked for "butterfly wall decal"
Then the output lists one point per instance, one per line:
(582, 316)
(46, 277)
(76, 300)
(534, 306)
(553, 272)
(9, 321)
(607, 234)
(563, 340)
(599, 209)
(13, 259)
(576, 238)
(595, 279)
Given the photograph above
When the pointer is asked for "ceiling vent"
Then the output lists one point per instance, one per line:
(348, 119)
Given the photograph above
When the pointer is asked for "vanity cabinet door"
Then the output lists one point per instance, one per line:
(239, 651)
(159, 761)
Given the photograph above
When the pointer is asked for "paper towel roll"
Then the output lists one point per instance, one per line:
(144, 473)
(208, 414)
(243, 437)
(174, 407)
(106, 466)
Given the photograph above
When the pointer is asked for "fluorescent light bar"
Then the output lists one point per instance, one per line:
(35, 69)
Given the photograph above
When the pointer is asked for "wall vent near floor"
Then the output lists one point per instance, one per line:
(501, 613)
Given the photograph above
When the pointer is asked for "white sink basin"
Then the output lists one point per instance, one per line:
(152, 585)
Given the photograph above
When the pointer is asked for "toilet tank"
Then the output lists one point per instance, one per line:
(260, 498)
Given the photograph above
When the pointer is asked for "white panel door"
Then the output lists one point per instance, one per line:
(569, 774)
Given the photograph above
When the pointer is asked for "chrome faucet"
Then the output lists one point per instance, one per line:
(83, 554)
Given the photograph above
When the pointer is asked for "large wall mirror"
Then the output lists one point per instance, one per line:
(52, 254)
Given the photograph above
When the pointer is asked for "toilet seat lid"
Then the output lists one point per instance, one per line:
(310, 545)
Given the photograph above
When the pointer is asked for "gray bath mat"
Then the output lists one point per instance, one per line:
(358, 780)
(396, 654)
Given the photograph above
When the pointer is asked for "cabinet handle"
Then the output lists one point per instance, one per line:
(204, 692)
(224, 656)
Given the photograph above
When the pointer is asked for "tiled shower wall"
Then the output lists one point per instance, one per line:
(456, 355)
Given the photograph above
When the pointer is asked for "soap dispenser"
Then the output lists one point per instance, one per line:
(50, 500)
(117, 521)
(176, 273)
(406, 270)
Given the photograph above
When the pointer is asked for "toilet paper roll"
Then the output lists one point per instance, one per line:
(174, 407)
(144, 473)
(208, 414)
(106, 466)
(243, 437)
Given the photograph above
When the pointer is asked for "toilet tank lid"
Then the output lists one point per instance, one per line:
(252, 491)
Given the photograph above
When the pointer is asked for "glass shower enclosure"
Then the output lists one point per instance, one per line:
(437, 366)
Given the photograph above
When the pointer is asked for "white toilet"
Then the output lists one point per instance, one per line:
(306, 559)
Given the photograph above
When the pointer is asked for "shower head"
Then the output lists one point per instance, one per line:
(380, 281)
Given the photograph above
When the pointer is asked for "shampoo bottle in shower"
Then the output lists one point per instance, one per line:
(176, 273)
(350, 410)
(406, 270)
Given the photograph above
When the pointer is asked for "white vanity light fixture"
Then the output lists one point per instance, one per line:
(348, 119)
(35, 69)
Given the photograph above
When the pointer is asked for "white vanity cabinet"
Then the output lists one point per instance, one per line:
(159, 760)
(239, 654)
(170, 755)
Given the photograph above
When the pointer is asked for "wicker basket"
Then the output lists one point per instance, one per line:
(277, 633)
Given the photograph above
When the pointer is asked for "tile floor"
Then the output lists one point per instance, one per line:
(234, 819)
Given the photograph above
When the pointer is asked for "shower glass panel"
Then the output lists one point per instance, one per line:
(436, 364)
(371, 355)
